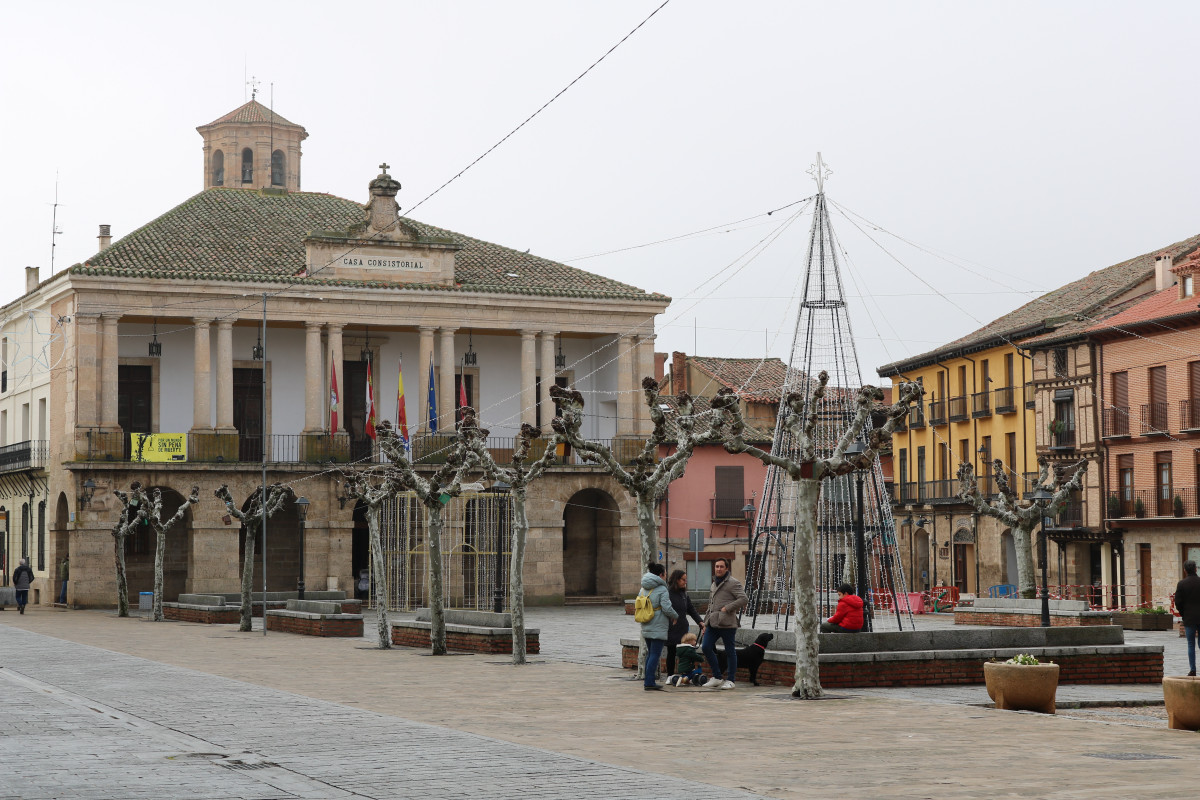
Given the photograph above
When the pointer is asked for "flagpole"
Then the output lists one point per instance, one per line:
(264, 464)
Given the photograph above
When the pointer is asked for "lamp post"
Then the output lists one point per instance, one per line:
(857, 448)
(1042, 493)
(500, 488)
(301, 512)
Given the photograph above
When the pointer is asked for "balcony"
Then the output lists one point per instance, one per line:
(727, 509)
(1154, 419)
(1062, 436)
(1189, 415)
(1004, 400)
(958, 408)
(1116, 422)
(1152, 503)
(1030, 398)
(30, 454)
(1070, 514)
(937, 412)
(916, 417)
(981, 404)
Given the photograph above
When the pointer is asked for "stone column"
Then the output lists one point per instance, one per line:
(225, 376)
(645, 368)
(202, 378)
(446, 397)
(87, 377)
(424, 357)
(547, 373)
(108, 374)
(312, 378)
(625, 391)
(335, 359)
(528, 377)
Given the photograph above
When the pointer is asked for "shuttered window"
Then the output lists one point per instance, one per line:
(1194, 381)
(1120, 389)
(1158, 384)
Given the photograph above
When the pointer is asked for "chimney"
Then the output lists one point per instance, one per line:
(660, 363)
(1163, 277)
(679, 373)
(31, 279)
(105, 237)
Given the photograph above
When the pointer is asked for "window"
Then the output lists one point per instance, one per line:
(1163, 491)
(277, 168)
(1060, 362)
(25, 423)
(729, 495)
(1010, 449)
(42, 419)
(561, 381)
(962, 381)
(1125, 483)
(1008, 370)
(3, 427)
(1154, 418)
(1187, 287)
(1191, 406)
(903, 473)
(134, 398)
(964, 452)
(247, 166)
(25, 530)
(218, 168)
(4, 365)
(921, 472)
(943, 460)
(41, 534)
(1116, 418)
(1062, 427)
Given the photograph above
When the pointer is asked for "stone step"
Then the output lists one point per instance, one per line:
(592, 600)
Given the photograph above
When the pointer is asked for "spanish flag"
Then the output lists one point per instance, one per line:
(333, 398)
(401, 416)
(370, 426)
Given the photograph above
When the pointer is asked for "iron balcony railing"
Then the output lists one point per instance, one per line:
(1189, 414)
(981, 404)
(1070, 514)
(1154, 418)
(1004, 400)
(916, 416)
(1158, 502)
(958, 408)
(937, 412)
(1063, 438)
(727, 509)
(1116, 422)
(31, 454)
(1030, 397)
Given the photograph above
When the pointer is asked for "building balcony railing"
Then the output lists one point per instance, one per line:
(1071, 514)
(916, 416)
(727, 509)
(1154, 419)
(31, 454)
(1062, 437)
(981, 404)
(300, 448)
(1116, 422)
(1005, 400)
(937, 412)
(958, 408)
(1189, 415)
(1159, 502)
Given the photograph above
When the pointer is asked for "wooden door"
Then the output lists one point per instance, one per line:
(1145, 585)
(248, 412)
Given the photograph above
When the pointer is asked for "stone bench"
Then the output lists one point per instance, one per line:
(1090, 655)
(8, 596)
(278, 600)
(314, 618)
(1021, 612)
(206, 609)
(699, 600)
(466, 631)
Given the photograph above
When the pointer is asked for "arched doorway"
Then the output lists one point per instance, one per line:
(591, 528)
(964, 561)
(283, 551)
(921, 540)
(1008, 557)
(140, 548)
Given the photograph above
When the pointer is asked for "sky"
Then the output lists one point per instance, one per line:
(981, 153)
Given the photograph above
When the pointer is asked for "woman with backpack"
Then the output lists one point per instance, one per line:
(655, 629)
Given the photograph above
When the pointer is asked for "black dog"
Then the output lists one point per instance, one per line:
(749, 657)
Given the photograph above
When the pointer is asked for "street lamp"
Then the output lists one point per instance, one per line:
(857, 448)
(301, 512)
(1042, 493)
(500, 488)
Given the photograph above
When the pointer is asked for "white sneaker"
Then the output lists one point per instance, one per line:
(713, 683)
(728, 685)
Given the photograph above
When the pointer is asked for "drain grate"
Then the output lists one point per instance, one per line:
(235, 764)
(1130, 756)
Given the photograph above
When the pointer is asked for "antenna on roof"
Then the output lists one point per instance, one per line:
(54, 231)
(271, 162)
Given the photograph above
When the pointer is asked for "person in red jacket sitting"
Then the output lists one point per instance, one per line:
(848, 617)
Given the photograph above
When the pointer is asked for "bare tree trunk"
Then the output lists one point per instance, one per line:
(808, 673)
(516, 575)
(122, 582)
(160, 545)
(383, 593)
(437, 609)
(248, 584)
(1023, 541)
(647, 529)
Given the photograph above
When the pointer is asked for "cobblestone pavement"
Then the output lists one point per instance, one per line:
(247, 715)
(88, 723)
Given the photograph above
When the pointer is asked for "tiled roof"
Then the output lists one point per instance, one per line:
(253, 111)
(248, 235)
(1162, 305)
(755, 379)
(1079, 326)
(753, 433)
(1081, 298)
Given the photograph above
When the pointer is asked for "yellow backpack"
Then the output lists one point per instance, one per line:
(643, 611)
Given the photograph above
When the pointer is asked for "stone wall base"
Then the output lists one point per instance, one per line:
(202, 614)
(314, 624)
(1003, 619)
(468, 641)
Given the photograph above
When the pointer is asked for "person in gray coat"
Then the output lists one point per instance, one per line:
(656, 630)
(23, 576)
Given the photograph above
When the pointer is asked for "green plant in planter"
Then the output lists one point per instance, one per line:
(1155, 610)
(1025, 659)
(1114, 507)
(1139, 508)
(1177, 506)
(1058, 427)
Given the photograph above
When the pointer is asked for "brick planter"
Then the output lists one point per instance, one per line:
(205, 615)
(1021, 613)
(1143, 622)
(315, 618)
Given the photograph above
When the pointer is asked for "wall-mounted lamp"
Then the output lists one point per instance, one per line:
(85, 496)
(155, 344)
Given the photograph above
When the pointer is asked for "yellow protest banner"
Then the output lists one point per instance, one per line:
(158, 447)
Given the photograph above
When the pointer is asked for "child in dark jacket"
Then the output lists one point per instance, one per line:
(689, 660)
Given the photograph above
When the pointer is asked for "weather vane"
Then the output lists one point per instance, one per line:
(253, 84)
(819, 172)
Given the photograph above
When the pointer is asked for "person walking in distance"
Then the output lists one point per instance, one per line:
(1187, 603)
(22, 576)
(725, 600)
(655, 630)
(64, 573)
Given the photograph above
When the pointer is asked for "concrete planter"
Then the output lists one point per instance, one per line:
(1142, 622)
(1022, 687)
(1182, 697)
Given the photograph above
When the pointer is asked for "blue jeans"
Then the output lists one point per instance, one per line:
(695, 677)
(62, 596)
(1190, 632)
(654, 648)
(22, 597)
(709, 648)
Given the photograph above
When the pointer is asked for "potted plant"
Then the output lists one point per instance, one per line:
(1177, 506)
(1114, 507)
(1022, 683)
(1181, 695)
(1139, 508)
(1058, 427)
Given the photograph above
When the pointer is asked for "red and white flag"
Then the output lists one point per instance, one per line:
(333, 399)
(370, 427)
(401, 416)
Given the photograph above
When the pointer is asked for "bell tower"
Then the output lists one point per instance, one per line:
(252, 147)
